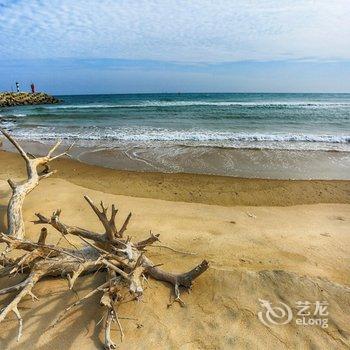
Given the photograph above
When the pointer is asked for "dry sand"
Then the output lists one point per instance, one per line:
(274, 240)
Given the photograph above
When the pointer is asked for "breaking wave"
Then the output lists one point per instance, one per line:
(144, 135)
(145, 104)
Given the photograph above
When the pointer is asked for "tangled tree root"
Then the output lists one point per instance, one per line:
(123, 260)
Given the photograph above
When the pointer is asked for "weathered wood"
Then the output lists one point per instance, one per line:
(124, 261)
(15, 223)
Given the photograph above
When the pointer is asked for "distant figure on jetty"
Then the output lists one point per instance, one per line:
(8, 99)
(32, 86)
(17, 86)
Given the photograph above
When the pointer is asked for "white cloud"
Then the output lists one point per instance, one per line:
(170, 30)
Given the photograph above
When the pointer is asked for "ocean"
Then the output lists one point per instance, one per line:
(216, 133)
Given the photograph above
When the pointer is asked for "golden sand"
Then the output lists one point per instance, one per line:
(274, 240)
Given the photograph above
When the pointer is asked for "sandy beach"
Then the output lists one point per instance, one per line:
(276, 240)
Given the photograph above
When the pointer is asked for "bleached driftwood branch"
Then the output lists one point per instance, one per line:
(15, 221)
(124, 261)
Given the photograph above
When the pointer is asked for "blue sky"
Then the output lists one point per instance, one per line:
(122, 46)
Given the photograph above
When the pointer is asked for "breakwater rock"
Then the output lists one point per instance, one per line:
(8, 99)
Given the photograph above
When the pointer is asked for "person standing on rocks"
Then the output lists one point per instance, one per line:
(32, 86)
(17, 86)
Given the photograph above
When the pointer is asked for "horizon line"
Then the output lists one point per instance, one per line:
(207, 92)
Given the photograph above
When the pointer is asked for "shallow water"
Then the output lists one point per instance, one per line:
(251, 135)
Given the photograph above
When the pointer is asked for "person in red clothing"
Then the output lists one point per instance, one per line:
(32, 86)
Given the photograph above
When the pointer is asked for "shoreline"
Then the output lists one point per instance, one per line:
(274, 164)
(191, 188)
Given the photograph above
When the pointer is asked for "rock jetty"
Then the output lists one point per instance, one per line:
(8, 99)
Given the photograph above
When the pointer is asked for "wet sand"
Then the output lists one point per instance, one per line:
(253, 163)
(193, 188)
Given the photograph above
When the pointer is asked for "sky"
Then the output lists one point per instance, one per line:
(123, 46)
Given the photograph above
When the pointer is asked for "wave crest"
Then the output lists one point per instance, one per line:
(146, 104)
(144, 134)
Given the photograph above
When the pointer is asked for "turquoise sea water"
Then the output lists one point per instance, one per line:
(298, 136)
(279, 121)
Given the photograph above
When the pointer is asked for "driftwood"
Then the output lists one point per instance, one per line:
(124, 261)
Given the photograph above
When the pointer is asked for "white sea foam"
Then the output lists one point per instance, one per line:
(145, 104)
(152, 134)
